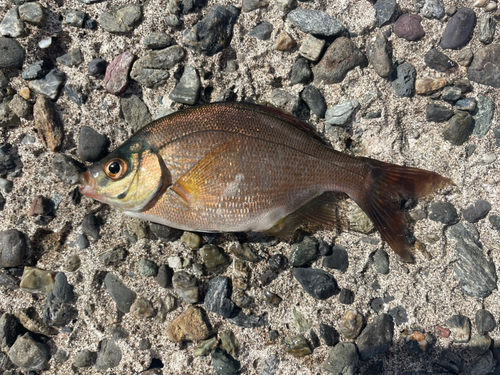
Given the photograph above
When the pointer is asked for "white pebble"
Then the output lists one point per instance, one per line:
(175, 263)
(45, 42)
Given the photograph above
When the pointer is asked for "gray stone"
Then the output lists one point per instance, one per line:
(311, 47)
(249, 5)
(156, 41)
(483, 116)
(460, 328)
(147, 268)
(303, 252)
(97, 67)
(301, 72)
(487, 26)
(187, 91)
(186, 286)
(467, 104)
(249, 321)
(338, 259)
(135, 112)
(315, 22)
(72, 58)
(12, 26)
(122, 19)
(165, 233)
(433, 9)
(485, 67)
(317, 283)
(109, 355)
(113, 257)
(342, 359)
(485, 321)
(384, 11)
(84, 358)
(477, 211)
(92, 146)
(437, 60)
(33, 13)
(164, 276)
(90, 226)
(458, 128)
(57, 313)
(444, 212)
(481, 365)
(10, 328)
(464, 57)
(451, 93)
(381, 259)
(119, 293)
(30, 354)
(12, 55)
(376, 338)
(67, 169)
(262, 31)
(8, 118)
(63, 291)
(50, 84)
(217, 298)
(404, 84)
(20, 107)
(459, 29)
(341, 113)
(224, 363)
(35, 71)
(438, 112)
(379, 57)
(14, 249)
(75, 17)
(314, 100)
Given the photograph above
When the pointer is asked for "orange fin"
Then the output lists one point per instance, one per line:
(384, 197)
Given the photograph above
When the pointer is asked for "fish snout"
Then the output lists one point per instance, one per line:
(89, 187)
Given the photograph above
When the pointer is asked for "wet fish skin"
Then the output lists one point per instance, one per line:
(241, 167)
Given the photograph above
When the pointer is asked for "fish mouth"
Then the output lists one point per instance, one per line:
(89, 187)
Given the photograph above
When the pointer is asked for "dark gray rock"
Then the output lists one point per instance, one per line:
(14, 249)
(271, 365)
(164, 276)
(303, 252)
(63, 291)
(157, 41)
(384, 11)
(381, 259)
(339, 114)
(459, 29)
(213, 258)
(12, 55)
(328, 334)
(477, 211)
(113, 257)
(277, 262)
(213, 33)
(72, 58)
(7, 117)
(10, 328)
(438, 112)
(483, 115)
(458, 128)
(75, 94)
(36, 70)
(12, 26)
(223, 362)
(338, 259)
(477, 274)
(496, 132)
(135, 112)
(315, 22)
(92, 146)
(342, 359)
(57, 313)
(75, 17)
(20, 107)
(404, 80)
(90, 226)
(485, 67)
(97, 67)
(50, 84)
(409, 27)
(437, 60)
(399, 315)
(444, 212)
(187, 91)
(109, 355)
(317, 283)
(376, 338)
(67, 168)
(186, 286)
(380, 304)
(495, 221)
(485, 321)
(249, 321)
(487, 26)
(217, 298)
(249, 5)
(122, 19)
(481, 365)
(378, 53)
(262, 31)
(165, 233)
(467, 104)
(314, 100)
(8, 156)
(8, 281)
(119, 293)
(451, 93)
(147, 268)
(433, 9)
(29, 354)
(85, 358)
(346, 296)
(460, 328)
(33, 13)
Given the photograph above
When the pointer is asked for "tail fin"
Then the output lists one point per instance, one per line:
(384, 197)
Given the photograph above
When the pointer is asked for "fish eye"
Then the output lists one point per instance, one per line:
(115, 169)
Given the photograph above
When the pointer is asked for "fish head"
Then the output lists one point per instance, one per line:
(129, 178)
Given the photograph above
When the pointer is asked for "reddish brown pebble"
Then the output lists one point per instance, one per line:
(116, 78)
(408, 27)
(49, 130)
(442, 332)
(40, 206)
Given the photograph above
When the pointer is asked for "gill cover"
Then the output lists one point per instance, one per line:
(129, 178)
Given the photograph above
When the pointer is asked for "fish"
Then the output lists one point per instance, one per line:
(241, 167)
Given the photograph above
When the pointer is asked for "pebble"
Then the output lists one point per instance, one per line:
(97, 67)
(384, 11)
(189, 325)
(496, 132)
(381, 259)
(458, 128)
(476, 273)
(485, 322)
(14, 249)
(301, 72)
(92, 146)
(142, 308)
(437, 60)
(49, 85)
(186, 286)
(57, 313)
(122, 19)
(443, 212)
(429, 85)
(7, 117)
(12, 26)
(458, 31)
(33, 13)
(90, 226)
(300, 322)
(441, 331)
(30, 354)
(10, 328)
(21, 107)
(380, 304)
(271, 365)
(262, 31)
(245, 252)
(214, 259)
(108, 356)
(205, 346)
(113, 257)
(119, 293)
(341, 57)
(495, 221)
(315, 22)
(480, 344)
(296, 346)
(217, 298)
(116, 79)
(317, 283)
(404, 84)
(249, 5)
(399, 315)
(164, 276)
(303, 252)
(241, 299)
(156, 41)
(241, 274)
(229, 343)
(249, 321)
(376, 338)
(6, 186)
(49, 130)
(418, 342)
(451, 93)
(339, 114)
(483, 115)
(464, 57)
(379, 57)
(342, 359)
(460, 328)
(409, 27)
(61, 356)
(187, 91)
(477, 211)
(147, 268)
(72, 58)
(284, 42)
(481, 365)
(213, 33)
(329, 334)
(314, 100)
(433, 9)
(8, 156)
(338, 259)
(37, 281)
(63, 291)
(346, 296)
(165, 233)
(467, 104)
(151, 70)
(30, 320)
(73, 263)
(438, 112)
(224, 363)
(135, 112)
(36, 70)
(75, 18)
(175, 263)
(487, 26)
(272, 298)
(191, 240)
(84, 358)
(45, 42)
(277, 262)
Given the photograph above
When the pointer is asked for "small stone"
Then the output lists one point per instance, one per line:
(164, 276)
(205, 347)
(241, 299)
(487, 26)
(61, 356)
(117, 333)
(399, 315)
(458, 31)
(12, 26)
(10, 328)
(67, 169)
(249, 5)
(451, 93)
(49, 85)
(175, 263)
(109, 355)
(376, 338)
(458, 128)
(495, 221)
(483, 116)
(485, 322)
(301, 72)
(191, 240)
(338, 259)
(379, 57)
(12, 55)
(351, 324)
(75, 18)
(213, 33)
(464, 57)
(441, 331)
(443, 212)
(190, 325)
(31, 321)
(157, 41)
(97, 67)
(35, 280)
(296, 346)
(117, 73)
(433, 9)
(467, 104)
(90, 226)
(317, 283)
(49, 130)
(477, 211)
(57, 313)
(346, 296)
(217, 298)
(311, 47)
(381, 259)
(481, 365)
(314, 100)
(30, 354)
(186, 287)
(36, 70)
(63, 291)
(437, 60)
(84, 358)
(460, 328)
(14, 249)
(224, 363)
(20, 107)
(408, 27)
(135, 112)
(249, 321)
(315, 22)
(300, 322)
(341, 113)
(404, 84)
(262, 31)
(438, 113)
(187, 90)
(73, 263)
(122, 19)
(147, 268)
(165, 233)
(229, 343)
(329, 334)
(341, 57)
(92, 146)
(284, 42)
(418, 342)
(214, 259)
(33, 13)
(142, 308)
(303, 252)
(277, 262)
(272, 298)
(119, 293)
(342, 359)
(479, 344)
(45, 43)
(113, 257)
(429, 85)
(72, 58)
